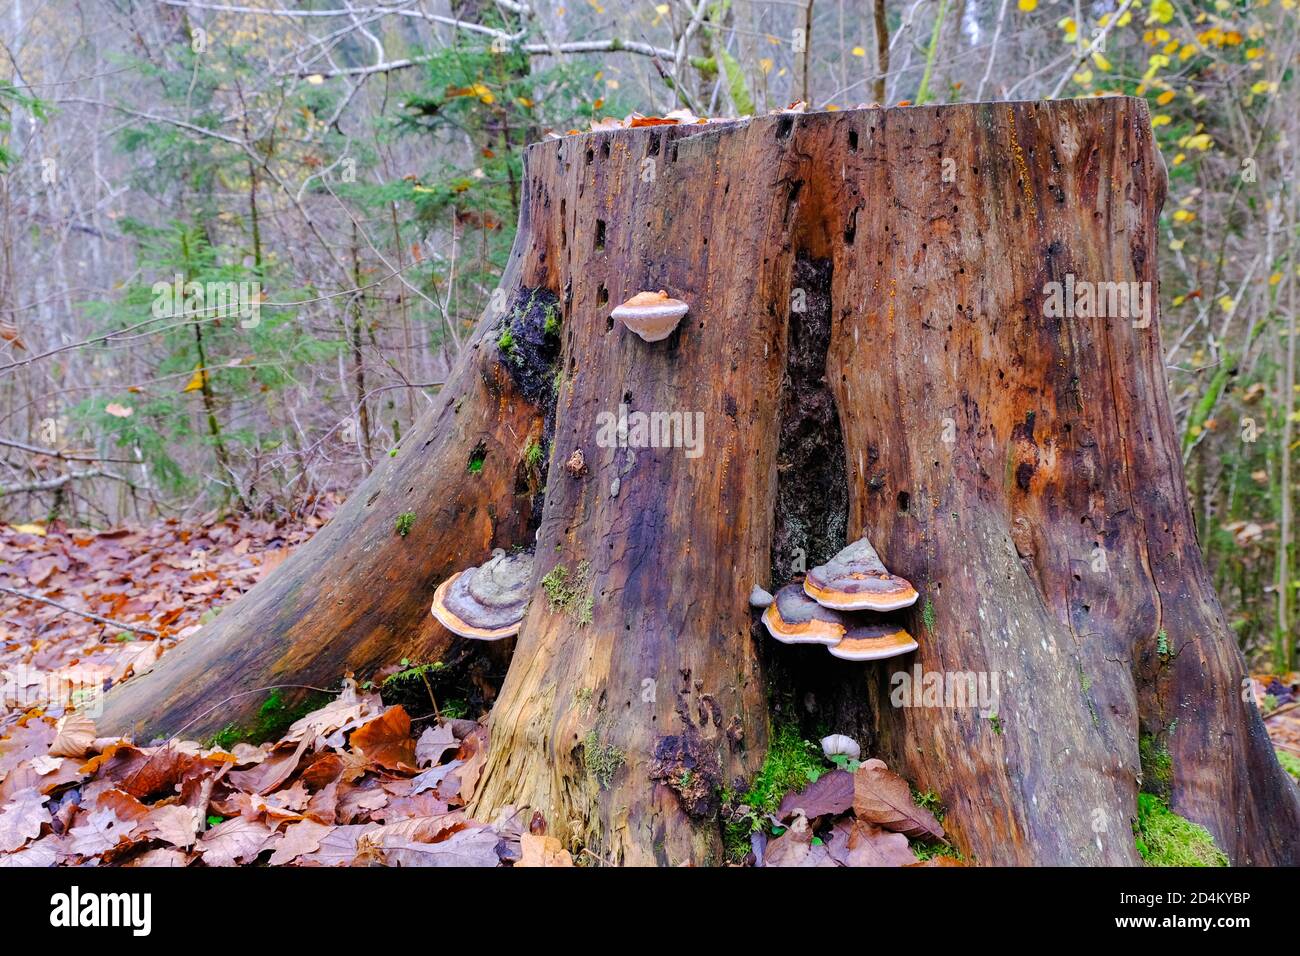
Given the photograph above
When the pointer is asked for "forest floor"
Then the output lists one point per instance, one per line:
(348, 780)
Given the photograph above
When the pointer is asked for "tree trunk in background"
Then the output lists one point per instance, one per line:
(869, 348)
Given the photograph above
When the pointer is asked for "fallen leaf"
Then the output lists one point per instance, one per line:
(234, 841)
(339, 847)
(542, 851)
(434, 743)
(74, 736)
(797, 848)
(830, 795)
(465, 848)
(300, 838)
(882, 797)
(386, 740)
(101, 832)
(854, 843)
(22, 819)
(162, 856)
(175, 824)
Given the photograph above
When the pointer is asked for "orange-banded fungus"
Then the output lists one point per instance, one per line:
(873, 642)
(795, 618)
(651, 315)
(856, 580)
(486, 603)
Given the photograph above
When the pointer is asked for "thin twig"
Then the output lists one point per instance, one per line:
(72, 610)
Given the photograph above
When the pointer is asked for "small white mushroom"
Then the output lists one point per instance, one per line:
(651, 315)
(840, 745)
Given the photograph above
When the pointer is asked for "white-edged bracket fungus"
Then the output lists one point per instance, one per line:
(857, 580)
(795, 618)
(760, 598)
(486, 603)
(873, 642)
(651, 315)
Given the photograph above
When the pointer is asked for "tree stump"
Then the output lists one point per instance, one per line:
(887, 336)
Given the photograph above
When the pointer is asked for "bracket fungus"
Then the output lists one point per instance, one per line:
(857, 580)
(795, 618)
(486, 603)
(652, 315)
(873, 642)
(823, 609)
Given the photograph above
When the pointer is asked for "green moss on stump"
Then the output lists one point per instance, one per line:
(274, 717)
(791, 764)
(1166, 839)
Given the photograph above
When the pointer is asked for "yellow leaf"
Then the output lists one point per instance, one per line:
(1200, 141)
(1161, 120)
(198, 381)
(1176, 245)
(1182, 215)
(765, 64)
(1226, 303)
(1083, 77)
(315, 79)
(1263, 86)
(1027, 6)
(1103, 64)
(1275, 278)
(29, 529)
(1162, 11)
(1165, 98)
(858, 51)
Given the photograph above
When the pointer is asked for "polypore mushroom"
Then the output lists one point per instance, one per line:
(873, 642)
(856, 580)
(840, 745)
(651, 315)
(795, 618)
(759, 598)
(486, 603)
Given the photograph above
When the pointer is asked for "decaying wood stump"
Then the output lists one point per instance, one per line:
(902, 323)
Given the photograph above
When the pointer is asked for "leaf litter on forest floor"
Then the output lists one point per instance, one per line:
(349, 785)
(859, 815)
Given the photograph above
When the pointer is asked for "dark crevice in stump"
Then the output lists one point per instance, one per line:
(809, 687)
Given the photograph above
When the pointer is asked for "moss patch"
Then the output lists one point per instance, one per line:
(601, 760)
(476, 459)
(567, 594)
(1157, 765)
(1166, 839)
(791, 764)
(274, 717)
